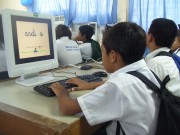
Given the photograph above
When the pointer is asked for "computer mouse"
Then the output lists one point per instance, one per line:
(86, 67)
(100, 74)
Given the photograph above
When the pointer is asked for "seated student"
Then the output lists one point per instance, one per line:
(90, 48)
(68, 50)
(123, 97)
(176, 45)
(160, 37)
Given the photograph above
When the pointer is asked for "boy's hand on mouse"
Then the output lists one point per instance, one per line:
(57, 88)
(81, 84)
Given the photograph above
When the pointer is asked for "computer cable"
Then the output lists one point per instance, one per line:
(90, 59)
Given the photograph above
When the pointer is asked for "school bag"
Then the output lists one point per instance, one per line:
(169, 112)
(175, 57)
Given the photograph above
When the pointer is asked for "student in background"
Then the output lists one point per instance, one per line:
(176, 45)
(68, 50)
(90, 48)
(160, 37)
(123, 97)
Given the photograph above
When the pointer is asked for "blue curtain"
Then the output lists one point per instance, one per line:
(78, 11)
(143, 12)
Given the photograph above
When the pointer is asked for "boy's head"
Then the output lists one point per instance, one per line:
(163, 31)
(86, 31)
(63, 31)
(126, 39)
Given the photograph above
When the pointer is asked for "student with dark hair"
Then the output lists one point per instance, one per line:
(160, 37)
(68, 50)
(63, 31)
(123, 97)
(90, 48)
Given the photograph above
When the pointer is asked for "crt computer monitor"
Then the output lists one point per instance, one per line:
(29, 45)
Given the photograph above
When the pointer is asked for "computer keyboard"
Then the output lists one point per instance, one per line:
(45, 90)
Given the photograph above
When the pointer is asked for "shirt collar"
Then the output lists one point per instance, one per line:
(155, 52)
(65, 37)
(131, 67)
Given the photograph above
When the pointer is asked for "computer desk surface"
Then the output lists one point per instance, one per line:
(24, 111)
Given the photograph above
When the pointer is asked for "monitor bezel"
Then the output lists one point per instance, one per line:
(20, 69)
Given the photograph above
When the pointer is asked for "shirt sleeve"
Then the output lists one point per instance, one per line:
(100, 106)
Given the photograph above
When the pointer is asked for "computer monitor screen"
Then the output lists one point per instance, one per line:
(30, 45)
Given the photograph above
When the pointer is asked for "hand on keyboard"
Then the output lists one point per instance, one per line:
(45, 90)
(56, 88)
(80, 84)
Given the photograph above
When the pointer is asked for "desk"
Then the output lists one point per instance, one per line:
(23, 111)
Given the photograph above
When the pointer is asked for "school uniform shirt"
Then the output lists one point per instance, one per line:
(68, 51)
(163, 66)
(86, 50)
(123, 98)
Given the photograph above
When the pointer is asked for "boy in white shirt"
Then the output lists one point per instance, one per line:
(160, 37)
(123, 97)
(89, 48)
(68, 50)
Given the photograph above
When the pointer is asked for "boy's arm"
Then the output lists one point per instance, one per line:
(68, 106)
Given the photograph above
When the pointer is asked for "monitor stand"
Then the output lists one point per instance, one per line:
(34, 79)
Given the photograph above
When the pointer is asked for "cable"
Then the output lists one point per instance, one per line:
(74, 66)
(98, 62)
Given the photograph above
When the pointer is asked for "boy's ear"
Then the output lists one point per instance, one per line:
(113, 56)
(149, 37)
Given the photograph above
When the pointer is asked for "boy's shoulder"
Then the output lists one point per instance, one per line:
(122, 79)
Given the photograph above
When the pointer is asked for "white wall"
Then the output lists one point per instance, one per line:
(12, 4)
(122, 10)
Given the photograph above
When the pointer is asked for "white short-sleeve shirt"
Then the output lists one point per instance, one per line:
(68, 51)
(123, 98)
(86, 50)
(165, 65)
